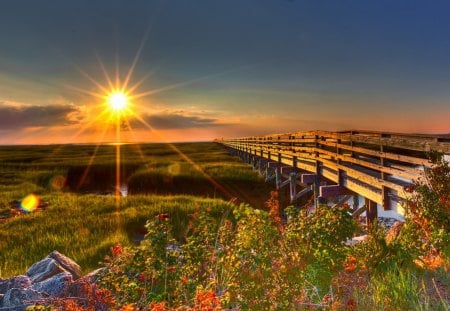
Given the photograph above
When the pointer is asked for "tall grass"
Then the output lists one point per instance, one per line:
(86, 227)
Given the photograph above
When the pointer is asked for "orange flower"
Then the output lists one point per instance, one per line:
(158, 306)
(117, 250)
(128, 307)
(350, 264)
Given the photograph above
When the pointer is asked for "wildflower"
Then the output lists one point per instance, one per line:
(171, 268)
(142, 277)
(117, 250)
(184, 280)
(350, 264)
(158, 306)
(163, 217)
(128, 307)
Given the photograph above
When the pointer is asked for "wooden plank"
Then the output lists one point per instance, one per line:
(332, 191)
(308, 178)
(386, 155)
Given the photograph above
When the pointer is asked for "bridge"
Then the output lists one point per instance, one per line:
(339, 166)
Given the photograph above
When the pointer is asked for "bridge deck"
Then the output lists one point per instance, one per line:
(375, 165)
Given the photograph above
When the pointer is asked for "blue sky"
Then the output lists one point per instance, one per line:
(239, 67)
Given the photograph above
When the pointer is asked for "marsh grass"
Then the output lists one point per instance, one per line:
(83, 224)
(86, 227)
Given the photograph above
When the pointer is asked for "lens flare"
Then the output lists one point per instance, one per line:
(58, 182)
(30, 203)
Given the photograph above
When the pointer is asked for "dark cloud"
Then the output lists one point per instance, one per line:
(12, 117)
(178, 121)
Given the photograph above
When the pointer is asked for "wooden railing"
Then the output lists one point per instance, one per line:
(375, 165)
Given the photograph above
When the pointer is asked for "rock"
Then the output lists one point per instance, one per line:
(21, 281)
(80, 287)
(56, 286)
(18, 299)
(356, 240)
(44, 269)
(67, 263)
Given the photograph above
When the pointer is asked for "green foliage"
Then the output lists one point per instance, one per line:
(397, 289)
(377, 255)
(243, 257)
(427, 227)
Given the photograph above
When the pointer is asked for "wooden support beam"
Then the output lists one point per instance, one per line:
(272, 164)
(278, 177)
(371, 212)
(287, 170)
(292, 186)
(298, 195)
(333, 190)
(359, 211)
(342, 201)
(386, 200)
(355, 202)
(308, 178)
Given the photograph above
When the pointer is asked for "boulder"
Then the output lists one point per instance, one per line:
(67, 263)
(44, 269)
(81, 287)
(19, 299)
(21, 281)
(357, 239)
(56, 286)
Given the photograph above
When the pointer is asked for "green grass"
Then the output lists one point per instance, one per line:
(83, 224)
(85, 227)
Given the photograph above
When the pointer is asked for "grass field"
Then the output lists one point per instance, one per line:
(77, 182)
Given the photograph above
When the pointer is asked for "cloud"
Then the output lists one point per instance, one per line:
(20, 116)
(171, 121)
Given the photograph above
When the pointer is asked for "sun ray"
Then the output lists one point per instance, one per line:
(127, 121)
(132, 88)
(136, 58)
(197, 167)
(86, 92)
(117, 72)
(87, 76)
(185, 83)
(105, 72)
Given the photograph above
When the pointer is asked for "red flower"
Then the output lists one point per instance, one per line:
(142, 277)
(184, 280)
(163, 217)
(171, 268)
(117, 250)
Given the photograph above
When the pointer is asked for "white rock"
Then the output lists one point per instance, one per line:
(18, 299)
(21, 281)
(67, 263)
(56, 286)
(44, 269)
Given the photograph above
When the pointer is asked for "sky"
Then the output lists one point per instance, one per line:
(206, 69)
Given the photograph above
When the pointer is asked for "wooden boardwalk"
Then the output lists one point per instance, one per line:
(338, 165)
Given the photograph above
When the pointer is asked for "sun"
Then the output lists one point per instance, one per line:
(118, 101)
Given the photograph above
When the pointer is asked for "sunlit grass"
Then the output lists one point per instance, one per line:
(85, 227)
